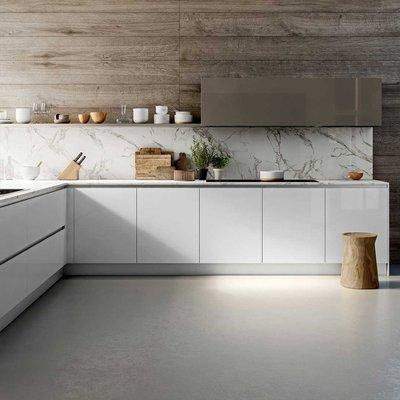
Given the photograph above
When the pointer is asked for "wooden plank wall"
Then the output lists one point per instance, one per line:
(84, 54)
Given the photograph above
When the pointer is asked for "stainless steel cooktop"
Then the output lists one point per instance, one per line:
(8, 191)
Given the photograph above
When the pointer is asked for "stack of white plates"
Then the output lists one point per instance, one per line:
(5, 121)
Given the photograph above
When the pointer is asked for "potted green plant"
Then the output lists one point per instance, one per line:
(219, 161)
(202, 154)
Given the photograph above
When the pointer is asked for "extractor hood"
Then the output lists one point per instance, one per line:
(269, 101)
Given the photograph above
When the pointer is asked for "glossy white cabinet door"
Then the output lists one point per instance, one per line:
(352, 210)
(168, 225)
(45, 259)
(231, 225)
(293, 225)
(13, 229)
(105, 225)
(13, 283)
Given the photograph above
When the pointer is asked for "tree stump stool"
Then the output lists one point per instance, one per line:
(359, 269)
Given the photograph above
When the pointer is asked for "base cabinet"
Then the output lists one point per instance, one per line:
(231, 225)
(356, 210)
(293, 225)
(105, 225)
(167, 225)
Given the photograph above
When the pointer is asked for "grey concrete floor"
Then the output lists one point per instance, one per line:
(203, 338)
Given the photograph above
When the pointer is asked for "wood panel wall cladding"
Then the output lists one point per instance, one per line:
(84, 54)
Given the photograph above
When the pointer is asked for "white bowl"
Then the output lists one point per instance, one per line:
(30, 172)
(271, 176)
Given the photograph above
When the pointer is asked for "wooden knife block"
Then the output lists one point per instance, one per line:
(71, 172)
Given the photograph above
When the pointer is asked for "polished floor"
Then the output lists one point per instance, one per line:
(205, 338)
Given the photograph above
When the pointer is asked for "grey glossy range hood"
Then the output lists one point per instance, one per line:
(291, 101)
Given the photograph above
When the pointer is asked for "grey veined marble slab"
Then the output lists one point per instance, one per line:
(319, 153)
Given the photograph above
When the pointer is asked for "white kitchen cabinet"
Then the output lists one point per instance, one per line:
(293, 225)
(356, 210)
(231, 225)
(13, 232)
(46, 214)
(23, 274)
(167, 225)
(105, 225)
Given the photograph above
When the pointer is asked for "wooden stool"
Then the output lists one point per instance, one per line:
(359, 269)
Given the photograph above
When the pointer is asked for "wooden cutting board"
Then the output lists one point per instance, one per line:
(153, 163)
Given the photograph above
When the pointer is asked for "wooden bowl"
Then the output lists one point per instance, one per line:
(84, 118)
(355, 175)
(98, 117)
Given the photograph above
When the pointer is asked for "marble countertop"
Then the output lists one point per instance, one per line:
(38, 188)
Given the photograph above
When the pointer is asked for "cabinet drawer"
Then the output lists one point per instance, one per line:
(13, 236)
(45, 214)
(23, 274)
(45, 259)
(13, 283)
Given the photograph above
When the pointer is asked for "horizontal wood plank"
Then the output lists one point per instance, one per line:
(290, 24)
(90, 48)
(89, 24)
(290, 48)
(88, 96)
(98, 6)
(292, 5)
(89, 72)
(191, 72)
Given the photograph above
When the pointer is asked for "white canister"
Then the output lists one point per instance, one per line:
(23, 115)
(140, 115)
(161, 110)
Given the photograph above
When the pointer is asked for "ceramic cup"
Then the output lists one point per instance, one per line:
(161, 110)
(23, 115)
(140, 115)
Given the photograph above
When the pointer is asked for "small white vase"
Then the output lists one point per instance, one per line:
(218, 173)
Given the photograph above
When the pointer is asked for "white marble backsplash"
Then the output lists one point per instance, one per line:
(320, 153)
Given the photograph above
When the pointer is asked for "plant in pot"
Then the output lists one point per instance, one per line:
(202, 154)
(219, 161)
